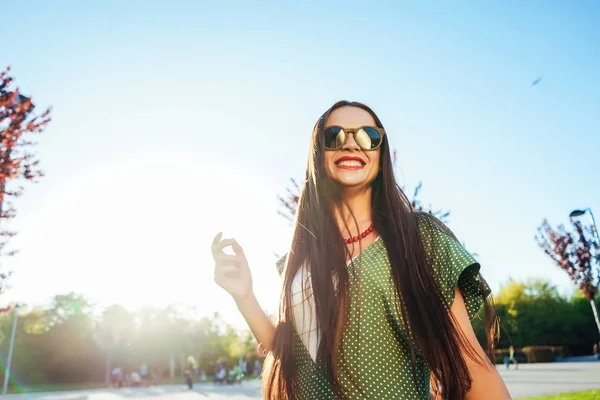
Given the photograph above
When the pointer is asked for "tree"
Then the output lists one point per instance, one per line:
(18, 162)
(116, 324)
(71, 352)
(576, 252)
(65, 342)
(533, 313)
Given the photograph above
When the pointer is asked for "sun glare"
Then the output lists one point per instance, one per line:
(138, 231)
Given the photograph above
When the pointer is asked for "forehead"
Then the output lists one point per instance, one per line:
(350, 117)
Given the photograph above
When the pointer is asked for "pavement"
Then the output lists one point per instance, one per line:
(532, 380)
(248, 390)
(529, 380)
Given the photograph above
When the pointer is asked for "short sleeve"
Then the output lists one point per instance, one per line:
(453, 265)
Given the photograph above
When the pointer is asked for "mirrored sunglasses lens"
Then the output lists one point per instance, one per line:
(335, 137)
(368, 138)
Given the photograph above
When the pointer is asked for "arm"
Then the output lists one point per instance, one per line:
(232, 273)
(258, 322)
(486, 381)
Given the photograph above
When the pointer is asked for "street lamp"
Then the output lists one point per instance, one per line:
(579, 213)
(10, 349)
(20, 99)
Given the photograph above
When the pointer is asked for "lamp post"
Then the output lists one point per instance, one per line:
(579, 213)
(10, 349)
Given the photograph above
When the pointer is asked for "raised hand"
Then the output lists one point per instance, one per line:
(231, 271)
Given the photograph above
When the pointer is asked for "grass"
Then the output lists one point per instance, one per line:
(588, 395)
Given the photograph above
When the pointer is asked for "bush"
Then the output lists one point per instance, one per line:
(501, 354)
(559, 352)
(542, 354)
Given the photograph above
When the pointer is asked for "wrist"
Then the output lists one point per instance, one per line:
(248, 300)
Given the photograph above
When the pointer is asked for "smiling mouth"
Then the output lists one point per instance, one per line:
(350, 164)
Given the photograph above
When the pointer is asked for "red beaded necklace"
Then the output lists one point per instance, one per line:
(361, 236)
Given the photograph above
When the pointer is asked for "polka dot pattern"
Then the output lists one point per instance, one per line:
(374, 353)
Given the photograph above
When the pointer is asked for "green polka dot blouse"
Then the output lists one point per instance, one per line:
(374, 353)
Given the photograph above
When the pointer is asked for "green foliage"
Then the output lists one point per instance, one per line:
(67, 343)
(541, 354)
(533, 313)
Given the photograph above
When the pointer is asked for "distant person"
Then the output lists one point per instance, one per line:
(249, 367)
(190, 371)
(257, 368)
(364, 264)
(239, 373)
(144, 372)
(203, 376)
(153, 372)
(511, 357)
(117, 377)
(220, 375)
(191, 363)
(136, 379)
(235, 374)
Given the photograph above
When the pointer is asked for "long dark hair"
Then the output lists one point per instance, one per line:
(318, 243)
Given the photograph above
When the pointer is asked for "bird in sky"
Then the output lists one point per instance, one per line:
(536, 81)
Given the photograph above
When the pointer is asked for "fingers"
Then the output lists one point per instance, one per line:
(227, 259)
(219, 246)
(217, 239)
(226, 271)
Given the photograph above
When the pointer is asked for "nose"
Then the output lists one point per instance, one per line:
(351, 144)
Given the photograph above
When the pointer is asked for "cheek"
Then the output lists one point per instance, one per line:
(328, 157)
(375, 163)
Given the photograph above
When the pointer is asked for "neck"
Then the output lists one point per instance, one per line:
(358, 203)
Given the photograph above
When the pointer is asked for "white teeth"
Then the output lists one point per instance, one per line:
(350, 163)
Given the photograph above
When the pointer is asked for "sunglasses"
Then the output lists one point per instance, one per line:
(366, 137)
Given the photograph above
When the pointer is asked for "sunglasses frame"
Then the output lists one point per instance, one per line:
(353, 131)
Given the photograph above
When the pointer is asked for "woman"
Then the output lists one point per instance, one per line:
(377, 298)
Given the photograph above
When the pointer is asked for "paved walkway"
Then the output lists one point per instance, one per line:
(249, 390)
(542, 379)
(528, 380)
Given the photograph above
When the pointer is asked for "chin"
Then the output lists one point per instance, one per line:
(351, 179)
(351, 183)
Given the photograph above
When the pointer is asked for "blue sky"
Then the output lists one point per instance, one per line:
(174, 120)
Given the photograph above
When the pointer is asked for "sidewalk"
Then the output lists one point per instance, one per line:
(532, 380)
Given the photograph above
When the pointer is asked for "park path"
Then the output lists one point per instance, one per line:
(529, 380)
(542, 379)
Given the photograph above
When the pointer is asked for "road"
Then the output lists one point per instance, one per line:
(528, 380)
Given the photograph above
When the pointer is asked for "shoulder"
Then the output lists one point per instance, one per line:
(453, 266)
(430, 227)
